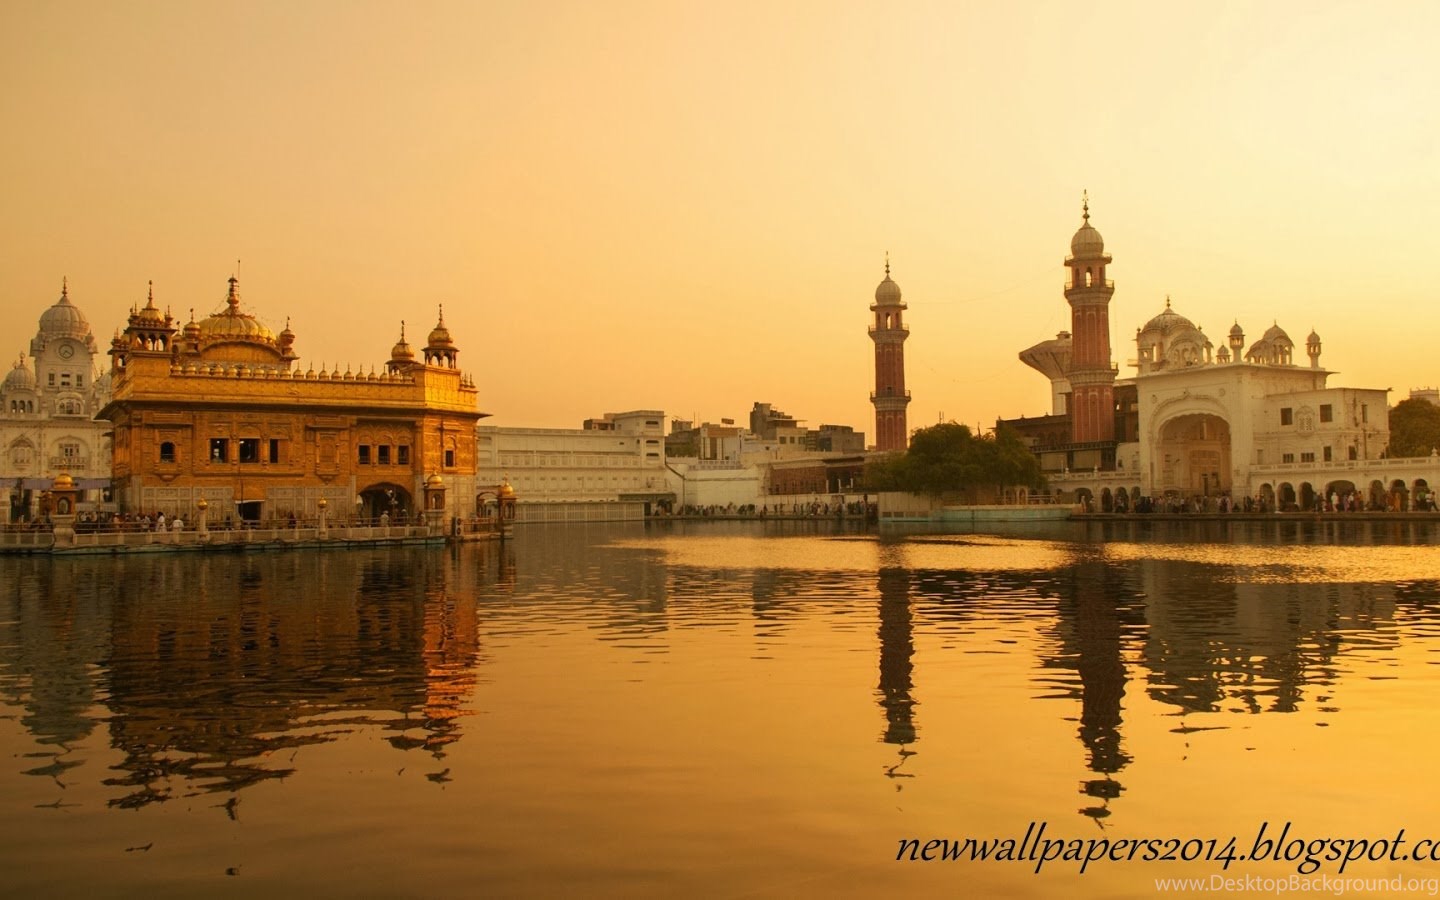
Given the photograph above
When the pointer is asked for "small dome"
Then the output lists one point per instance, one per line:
(1276, 333)
(1314, 337)
(401, 350)
(887, 293)
(64, 319)
(434, 481)
(1167, 322)
(440, 335)
(1087, 242)
(63, 482)
(20, 377)
(1236, 330)
(506, 490)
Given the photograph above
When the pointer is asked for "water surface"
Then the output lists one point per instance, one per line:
(716, 709)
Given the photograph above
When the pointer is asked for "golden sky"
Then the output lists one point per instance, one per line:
(687, 206)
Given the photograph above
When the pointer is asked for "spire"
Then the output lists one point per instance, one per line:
(887, 263)
(233, 298)
(150, 294)
(441, 307)
(64, 289)
(1085, 205)
(1167, 301)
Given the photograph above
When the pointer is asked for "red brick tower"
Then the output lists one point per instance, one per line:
(890, 397)
(1092, 375)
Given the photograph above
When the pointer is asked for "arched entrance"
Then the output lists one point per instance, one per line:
(1343, 492)
(1399, 496)
(1285, 497)
(1267, 498)
(1307, 497)
(1192, 456)
(1424, 497)
(386, 499)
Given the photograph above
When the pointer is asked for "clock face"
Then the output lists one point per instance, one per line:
(66, 351)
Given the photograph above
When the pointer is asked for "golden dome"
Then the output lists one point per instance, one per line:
(63, 482)
(440, 336)
(434, 481)
(506, 490)
(234, 325)
(401, 350)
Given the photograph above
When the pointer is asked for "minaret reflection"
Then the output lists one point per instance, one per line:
(897, 647)
(1096, 608)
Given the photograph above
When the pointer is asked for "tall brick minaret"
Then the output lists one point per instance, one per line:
(1092, 375)
(890, 397)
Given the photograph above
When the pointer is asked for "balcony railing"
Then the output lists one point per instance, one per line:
(874, 396)
(69, 462)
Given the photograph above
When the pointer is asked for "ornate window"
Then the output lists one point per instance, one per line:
(167, 452)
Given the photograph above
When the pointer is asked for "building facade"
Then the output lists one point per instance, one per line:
(619, 457)
(47, 409)
(219, 410)
(1197, 422)
(890, 397)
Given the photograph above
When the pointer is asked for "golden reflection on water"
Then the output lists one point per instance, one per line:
(857, 554)
(623, 712)
(1292, 564)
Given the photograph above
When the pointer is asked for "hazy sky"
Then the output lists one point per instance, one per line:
(687, 206)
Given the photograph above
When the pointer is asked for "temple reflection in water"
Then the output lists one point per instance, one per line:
(208, 672)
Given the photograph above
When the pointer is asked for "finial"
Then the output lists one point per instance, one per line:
(402, 331)
(233, 298)
(192, 313)
(1167, 301)
(1085, 205)
(150, 294)
(441, 307)
(887, 263)
(64, 287)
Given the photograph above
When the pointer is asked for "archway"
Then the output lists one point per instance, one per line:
(1285, 497)
(385, 499)
(1377, 495)
(1107, 502)
(1192, 455)
(1267, 498)
(1424, 497)
(1342, 490)
(1307, 496)
(1399, 496)
(1085, 499)
(1122, 500)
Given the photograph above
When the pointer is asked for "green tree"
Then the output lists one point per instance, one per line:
(948, 458)
(1414, 428)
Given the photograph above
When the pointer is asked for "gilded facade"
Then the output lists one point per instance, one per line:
(219, 409)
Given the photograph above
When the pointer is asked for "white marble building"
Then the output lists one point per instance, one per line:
(47, 406)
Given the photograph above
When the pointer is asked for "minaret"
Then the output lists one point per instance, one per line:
(889, 334)
(1092, 375)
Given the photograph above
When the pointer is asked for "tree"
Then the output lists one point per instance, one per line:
(948, 458)
(1414, 428)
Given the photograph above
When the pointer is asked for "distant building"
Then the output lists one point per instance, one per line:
(47, 414)
(1196, 422)
(219, 411)
(890, 397)
(617, 458)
